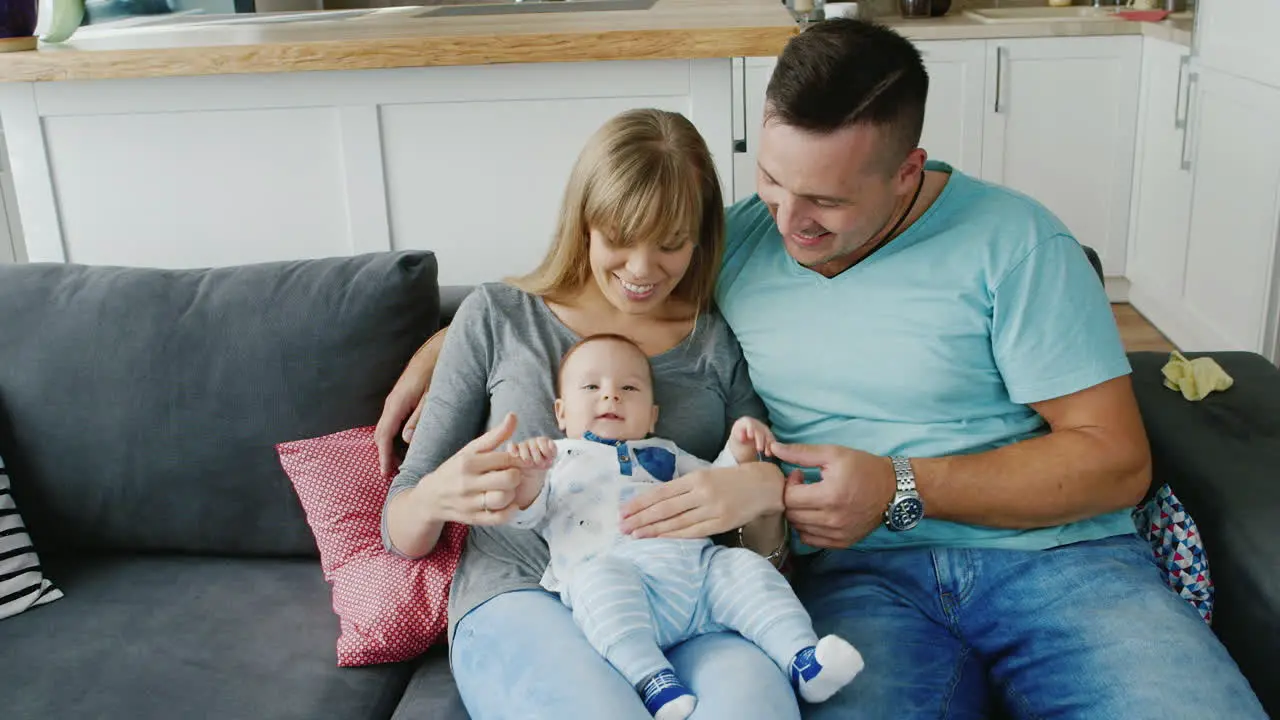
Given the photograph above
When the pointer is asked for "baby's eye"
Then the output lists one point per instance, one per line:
(590, 386)
(631, 388)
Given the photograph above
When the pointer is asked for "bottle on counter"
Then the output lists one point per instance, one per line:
(807, 11)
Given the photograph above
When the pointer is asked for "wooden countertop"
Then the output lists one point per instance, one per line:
(397, 38)
(393, 38)
(958, 26)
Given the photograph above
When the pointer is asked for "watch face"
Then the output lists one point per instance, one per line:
(906, 513)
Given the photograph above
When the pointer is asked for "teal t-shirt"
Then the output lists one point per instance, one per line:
(933, 345)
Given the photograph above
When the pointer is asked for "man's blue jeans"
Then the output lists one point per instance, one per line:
(1088, 630)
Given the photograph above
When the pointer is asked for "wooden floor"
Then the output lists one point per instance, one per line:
(1136, 332)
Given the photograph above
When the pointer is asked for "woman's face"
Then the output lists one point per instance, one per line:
(640, 278)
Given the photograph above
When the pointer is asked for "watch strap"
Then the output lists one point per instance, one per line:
(903, 473)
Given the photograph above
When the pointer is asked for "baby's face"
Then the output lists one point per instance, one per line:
(605, 388)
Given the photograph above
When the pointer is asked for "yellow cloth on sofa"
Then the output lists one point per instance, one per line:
(1194, 378)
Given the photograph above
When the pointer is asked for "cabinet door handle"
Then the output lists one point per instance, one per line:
(1180, 108)
(1186, 127)
(740, 143)
(999, 75)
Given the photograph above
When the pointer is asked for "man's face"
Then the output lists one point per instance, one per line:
(830, 194)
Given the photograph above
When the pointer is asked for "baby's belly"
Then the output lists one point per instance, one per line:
(589, 523)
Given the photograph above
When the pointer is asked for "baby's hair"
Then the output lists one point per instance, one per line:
(599, 337)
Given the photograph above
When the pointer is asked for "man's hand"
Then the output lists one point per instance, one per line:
(405, 401)
(847, 504)
(403, 406)
(749, 438)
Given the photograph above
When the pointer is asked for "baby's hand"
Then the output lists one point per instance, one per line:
(749, 438)
(537, 453)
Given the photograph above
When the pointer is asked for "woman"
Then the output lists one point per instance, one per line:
(636, 252)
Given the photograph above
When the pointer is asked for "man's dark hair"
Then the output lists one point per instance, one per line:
(844, 72)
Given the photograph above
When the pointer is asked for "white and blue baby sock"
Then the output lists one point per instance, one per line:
(665, 697)
(819, 672)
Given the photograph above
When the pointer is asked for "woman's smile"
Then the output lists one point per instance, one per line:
(637, 291)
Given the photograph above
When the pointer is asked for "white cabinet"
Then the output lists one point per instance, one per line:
(190, 189)
(1235, 214)
(1060, 127)
(470, 162)
(1206, 217)
(10, 232)
(750, 80)
(478, 179)
(7, 254)
(1160, 221)
(953, 114)
(1238, 37)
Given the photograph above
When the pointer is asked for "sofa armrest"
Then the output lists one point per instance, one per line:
(451, 296)
(1221, 455)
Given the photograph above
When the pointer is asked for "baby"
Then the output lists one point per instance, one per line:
(634, 598)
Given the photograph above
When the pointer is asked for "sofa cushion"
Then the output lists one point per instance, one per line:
(451, 297)
(1220, 456)
(390, 608)
(22, 581)
(163, 637)
(432, 693)
(142, 408)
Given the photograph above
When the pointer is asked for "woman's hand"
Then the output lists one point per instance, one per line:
(477, 486)
(705, 502)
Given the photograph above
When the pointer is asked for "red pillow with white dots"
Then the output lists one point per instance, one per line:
(389, 608)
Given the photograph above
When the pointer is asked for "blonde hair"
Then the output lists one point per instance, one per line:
(646, 176)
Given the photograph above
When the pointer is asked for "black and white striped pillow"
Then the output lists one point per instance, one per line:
(22, 584)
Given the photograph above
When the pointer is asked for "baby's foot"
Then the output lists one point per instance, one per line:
(819, 672)
(665, 697)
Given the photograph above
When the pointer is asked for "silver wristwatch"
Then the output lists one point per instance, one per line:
(906, 509)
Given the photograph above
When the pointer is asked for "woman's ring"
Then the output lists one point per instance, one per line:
(484, 500)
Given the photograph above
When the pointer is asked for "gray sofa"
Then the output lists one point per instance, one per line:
(139, 410)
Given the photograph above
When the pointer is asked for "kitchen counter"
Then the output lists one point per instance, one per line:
(395, 38)
(404, 37)
(958, 26)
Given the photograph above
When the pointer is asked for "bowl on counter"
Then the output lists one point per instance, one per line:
(923, 8)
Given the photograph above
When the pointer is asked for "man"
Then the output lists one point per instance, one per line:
(941, 363)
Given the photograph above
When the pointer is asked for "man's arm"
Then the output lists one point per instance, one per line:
(1058, 351)
(1095, 459)
(406, 399)
(1055, 342)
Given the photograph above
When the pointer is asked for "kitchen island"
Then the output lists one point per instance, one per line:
(483, 32)
(190, 143)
